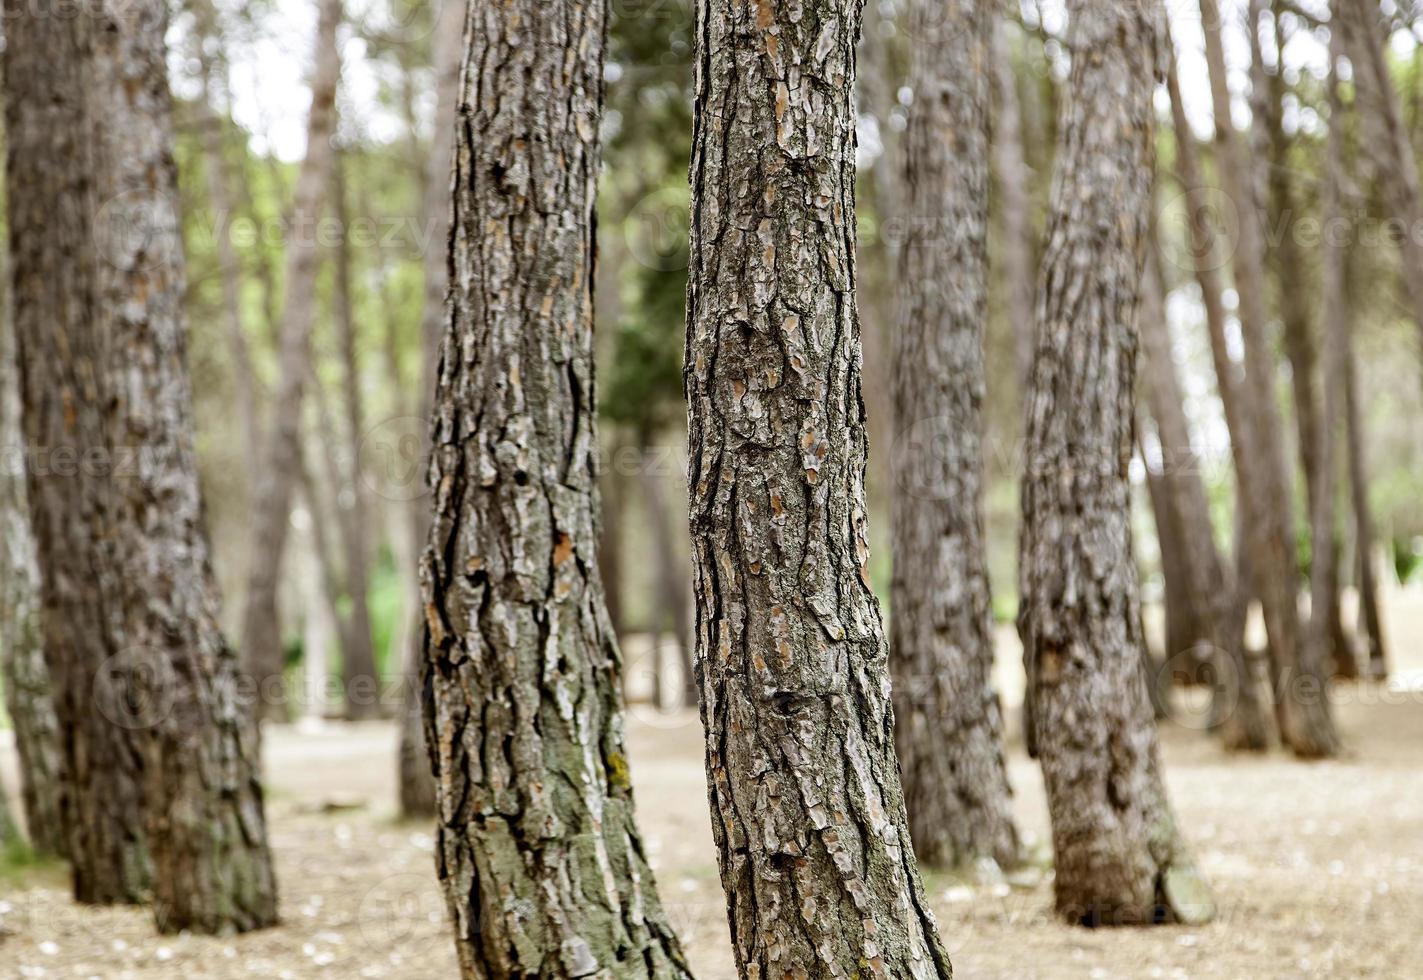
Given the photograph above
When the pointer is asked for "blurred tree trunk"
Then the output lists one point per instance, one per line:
(1287, 262)
(1337, 325)
(807, 808)
(52, 202)
(948, 719)
(417, 786)
(675, 591)
(1306, 724)
(523, 712)
(262, 632)
(109, 372)
(1206, 590)
(218, 191)
(1367, 39)
(207, 833)
(613, 493)
(1013, 179)
(1119, 858)
(22, 668)
(362, 677)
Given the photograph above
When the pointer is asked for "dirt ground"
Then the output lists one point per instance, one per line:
(1317, 868)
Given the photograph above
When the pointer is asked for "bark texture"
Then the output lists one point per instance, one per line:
(1013, 177)
(52, 202)
(1262, 468)
(22, 668)
(543, 866)
(1119, 857)
(281, 459)
(807, 809)
(207, 832)
(949, 725)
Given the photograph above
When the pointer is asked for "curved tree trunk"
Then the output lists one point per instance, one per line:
(52, 203)
(22, 669)
(281, 464)
(949, 724)
(807, 810)
(538, 850)
(1119, 858)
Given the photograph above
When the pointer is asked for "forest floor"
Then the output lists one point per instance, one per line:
(1317, 867)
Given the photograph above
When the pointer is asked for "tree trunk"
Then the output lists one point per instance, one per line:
(262, 633)
(543, 866)
(1287, 262)
(1394, 153)
(22, 669)
(207, 833)
(1307, 726)
(362, 677)
(1369, 615)
(949, 724)
(417, 786)
(1337, 326)
(1119, 858)
(52, 204)
(672, 583)
(807, 809)
(114, 381)
(1205, 590)
(1013, 179)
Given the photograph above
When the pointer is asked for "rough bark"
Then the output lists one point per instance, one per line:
(417, 785)
(1287, 261)
(52, 202)
(358, 651)
(279, 474)
(1119, 858)
(544, 869)
(1013, 177)
(207, 832)
(23, 674)
(1305, 722)
(1206, 588)
(949, 724)
(807, 810)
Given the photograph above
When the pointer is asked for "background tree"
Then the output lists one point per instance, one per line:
(1118, 857)
(948, 719)
(523, 711)
(261, 632)
(807, 809)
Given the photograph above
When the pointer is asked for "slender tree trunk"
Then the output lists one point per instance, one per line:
(949, 724)
(613, 487)
(22, 668)
(362, 676)
(1287, 261)
(538, 849)
(52, 203)
(1013, 179)
(1206, 589)
(672, 582)
(1337, 326)
(1307, 726)
(807, 809)
(417, 786)
(1119, 858)
(1395, 156)
(277, 478)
